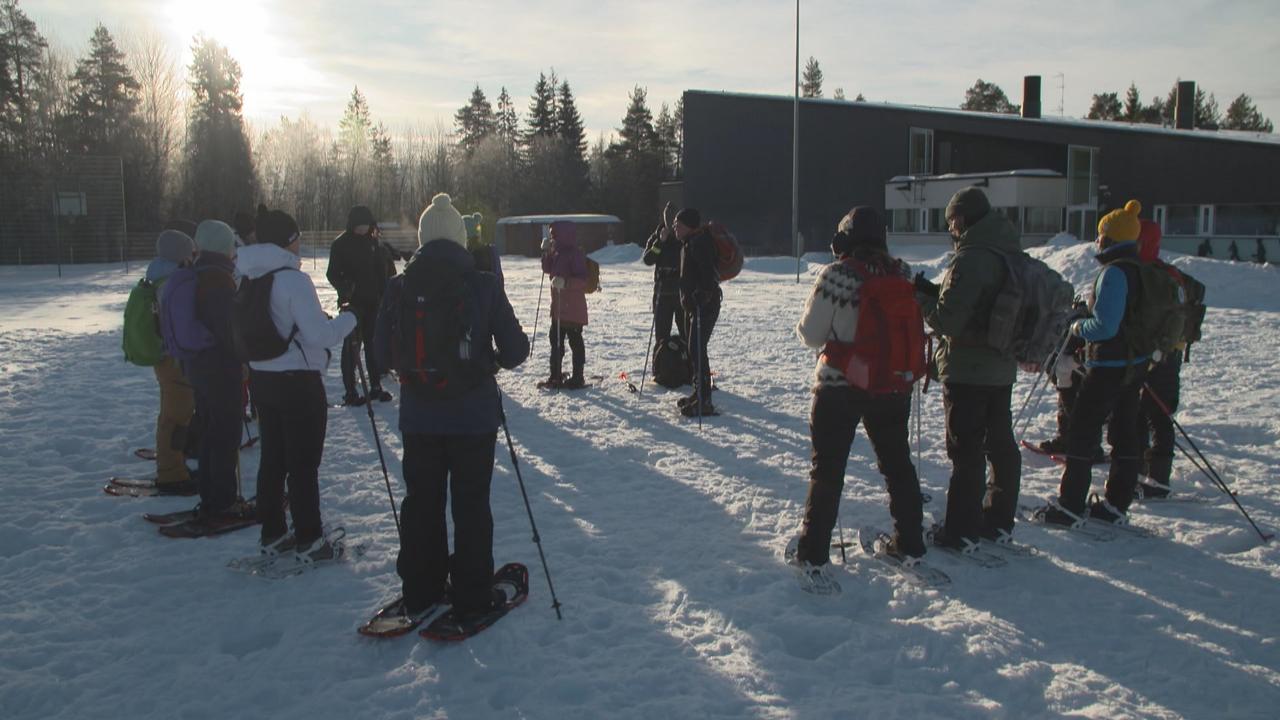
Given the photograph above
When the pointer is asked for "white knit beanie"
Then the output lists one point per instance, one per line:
(216, 236)
(440, 221)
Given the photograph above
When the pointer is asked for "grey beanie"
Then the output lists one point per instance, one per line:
(175, 246)
(969, 203)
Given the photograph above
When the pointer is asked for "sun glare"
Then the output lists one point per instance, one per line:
(271, 79)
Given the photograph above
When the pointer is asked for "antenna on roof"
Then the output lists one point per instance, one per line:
(1062, 91)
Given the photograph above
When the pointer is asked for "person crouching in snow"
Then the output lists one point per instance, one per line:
(293, 412)
(565, 262)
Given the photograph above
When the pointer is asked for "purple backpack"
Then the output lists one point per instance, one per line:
(183, 334)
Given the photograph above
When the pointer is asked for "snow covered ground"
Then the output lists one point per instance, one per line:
(663, 541)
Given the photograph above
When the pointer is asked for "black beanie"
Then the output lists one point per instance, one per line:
(276, 227)
(690, 218)
(186, 227)
(969, 203)
(244, 223)
(862, 227)
(359, 215)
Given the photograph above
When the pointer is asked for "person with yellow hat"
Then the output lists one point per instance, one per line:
(1113, 377)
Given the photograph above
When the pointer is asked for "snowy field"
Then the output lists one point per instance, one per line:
(664, 543)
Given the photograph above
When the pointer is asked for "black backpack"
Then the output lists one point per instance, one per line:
(432, 349)
(671, 362)
(254, 335)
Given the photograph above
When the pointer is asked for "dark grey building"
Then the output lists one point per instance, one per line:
(738, 151)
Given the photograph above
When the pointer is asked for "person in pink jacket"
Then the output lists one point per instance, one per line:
(565, 262)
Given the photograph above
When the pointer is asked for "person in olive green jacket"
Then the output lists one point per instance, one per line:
(977, 379)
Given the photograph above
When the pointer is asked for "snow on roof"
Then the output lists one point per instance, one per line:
(1117, 125)
(581, 219)
(1029, 173)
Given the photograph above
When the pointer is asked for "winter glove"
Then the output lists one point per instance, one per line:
(1063, 369)
(557, 283)
(925, 287)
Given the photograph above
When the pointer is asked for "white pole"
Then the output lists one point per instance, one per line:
(795, 153)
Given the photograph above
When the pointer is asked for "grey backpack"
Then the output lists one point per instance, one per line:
(1030, 314)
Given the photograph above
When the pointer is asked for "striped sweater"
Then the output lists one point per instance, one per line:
(831, 313)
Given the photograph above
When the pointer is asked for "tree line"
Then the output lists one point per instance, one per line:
(187, 150)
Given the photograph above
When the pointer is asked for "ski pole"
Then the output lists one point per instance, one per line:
(653, 322)
(537, 539)
(1040, 385)
(698, 360)
(537, 312)
(377, 441)
(1222, 485)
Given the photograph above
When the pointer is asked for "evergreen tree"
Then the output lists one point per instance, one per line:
(811, 80)
(219, 174)
(665, 129)
(541, 118)
(569, 122)
(859, 98)
(1206, 114)
(1106, 106)
(507, 122)
(636, 136)
(21, 60)
(104, 100)
(474, 121)
(1243, 115)
(354, 131)
(988, 97)
(1132, 105)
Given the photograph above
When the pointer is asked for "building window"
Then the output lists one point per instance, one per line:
(1082, 176)
(920, 154)
(1042, 220)
(937, 223)
(1246, 219)
(1181, 219)
(904, 221)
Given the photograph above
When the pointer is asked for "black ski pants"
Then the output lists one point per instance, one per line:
(833, 421)
(980, 431)
(560, 332)
(219, 412)
(293, 414)
(1105, 391)
(700, 322)
(366, 321)
(436, 466)
(1155, 427)
(666, 312)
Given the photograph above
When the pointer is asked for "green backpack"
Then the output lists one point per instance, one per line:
(1157, 324)
(142, 344)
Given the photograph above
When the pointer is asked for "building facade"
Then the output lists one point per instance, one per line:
(1200, 185)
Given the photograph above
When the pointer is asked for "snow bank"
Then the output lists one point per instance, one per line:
(613, 254)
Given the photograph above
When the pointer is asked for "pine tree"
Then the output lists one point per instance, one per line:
(474, 121)
(507, 122)
(1243, 115)
(665, 129)
(569, 122)
(1106, 106)
(22, 61)
(573, 172)
(811, 80)
(636, 135)
(988, 97)
(1132, 105)
(354, 130)
(541, 118)
(219, 175)
(1206, 113)
(104, 99)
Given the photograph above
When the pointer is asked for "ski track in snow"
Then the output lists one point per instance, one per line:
(664, 543)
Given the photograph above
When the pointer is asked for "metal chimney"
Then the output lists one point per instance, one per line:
(1031, 96)
(1184, 114)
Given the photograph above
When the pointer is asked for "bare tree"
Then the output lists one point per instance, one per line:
(162, 93)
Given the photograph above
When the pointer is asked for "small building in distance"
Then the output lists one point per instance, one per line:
(522, 234)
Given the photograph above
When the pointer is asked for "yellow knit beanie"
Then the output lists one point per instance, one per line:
(1122, 225)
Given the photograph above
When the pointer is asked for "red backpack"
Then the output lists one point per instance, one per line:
(887, 354)
(728, 254)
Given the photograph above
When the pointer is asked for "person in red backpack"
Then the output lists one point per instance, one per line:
(700, 298)
(831, 322)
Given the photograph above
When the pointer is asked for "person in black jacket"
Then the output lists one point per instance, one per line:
(700, 298)
(662, 252)
(359, 266)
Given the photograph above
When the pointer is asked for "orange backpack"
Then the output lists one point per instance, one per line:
(887, 354)
(728, 254)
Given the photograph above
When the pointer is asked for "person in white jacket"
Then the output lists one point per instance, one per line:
(293, 411)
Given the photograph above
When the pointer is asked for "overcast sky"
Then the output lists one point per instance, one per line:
(417, 60)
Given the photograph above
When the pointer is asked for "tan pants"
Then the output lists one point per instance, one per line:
(177, 404)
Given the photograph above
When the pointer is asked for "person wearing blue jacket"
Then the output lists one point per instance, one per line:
(1113, 379)
(449, 434)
